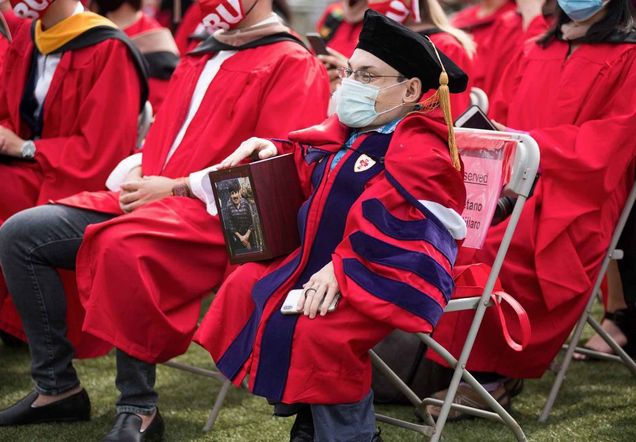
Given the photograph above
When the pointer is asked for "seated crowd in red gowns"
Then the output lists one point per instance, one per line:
(119, 247)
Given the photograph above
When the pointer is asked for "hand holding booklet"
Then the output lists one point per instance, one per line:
(258, 204)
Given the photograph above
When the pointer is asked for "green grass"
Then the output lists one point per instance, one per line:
(597, 403)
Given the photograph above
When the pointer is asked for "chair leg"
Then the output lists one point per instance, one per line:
(217, 405)
(461, 372)
(565, 364)
(624, 357)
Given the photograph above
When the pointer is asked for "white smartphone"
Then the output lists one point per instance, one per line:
(290, 306)
(475, 119)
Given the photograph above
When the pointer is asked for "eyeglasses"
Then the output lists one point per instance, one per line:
(362, 76)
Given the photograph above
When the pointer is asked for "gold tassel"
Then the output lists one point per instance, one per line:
(444, 100)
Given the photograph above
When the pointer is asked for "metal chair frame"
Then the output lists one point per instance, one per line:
(586, 318)
(220, 397)
(523, 174)
(479, 98)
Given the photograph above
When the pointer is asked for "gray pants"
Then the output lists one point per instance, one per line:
(33, 244)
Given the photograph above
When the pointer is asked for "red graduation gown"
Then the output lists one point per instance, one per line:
(391, 256)
(581, 112)
(191, 19)
(344, 38)
(158, 88)
(482, 30)
(79, 145)
(4, 47)
(142, 275)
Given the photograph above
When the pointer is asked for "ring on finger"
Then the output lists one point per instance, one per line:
(308, 290)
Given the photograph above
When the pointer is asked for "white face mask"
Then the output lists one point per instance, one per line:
(355, 104)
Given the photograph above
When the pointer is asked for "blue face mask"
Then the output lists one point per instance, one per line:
(356, 103)
(581, 10)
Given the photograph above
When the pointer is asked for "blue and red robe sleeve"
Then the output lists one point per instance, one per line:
(396, 258)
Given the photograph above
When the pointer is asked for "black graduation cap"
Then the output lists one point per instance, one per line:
(408, 52)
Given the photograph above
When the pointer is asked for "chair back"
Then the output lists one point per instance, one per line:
(479, 98)
(495, 164)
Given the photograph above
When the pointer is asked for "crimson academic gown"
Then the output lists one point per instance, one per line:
(340, 35)
(581, 112)
(487, 61)
(89, 125)
(4, 47)
(142, 275)
(183, 37)
(392, 258)
(158, 87)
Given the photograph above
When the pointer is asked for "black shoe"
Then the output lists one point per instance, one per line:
(303, 428)
(11, 341)
(71, 409)
(127, 428)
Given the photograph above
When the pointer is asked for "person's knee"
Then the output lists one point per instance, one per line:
(25, 230)
(14, 232)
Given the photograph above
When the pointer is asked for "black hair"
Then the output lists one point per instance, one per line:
(106, 6)
(617, 21)
(234, 186)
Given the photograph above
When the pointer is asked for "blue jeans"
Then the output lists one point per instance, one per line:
(33, 244)
(345, 422)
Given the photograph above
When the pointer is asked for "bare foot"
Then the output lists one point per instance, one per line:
(146, 420)
(44, 399)
(597, 343)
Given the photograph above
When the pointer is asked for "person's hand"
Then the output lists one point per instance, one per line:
(264, 148)
(529, 9)
(143, 191)
(320, 291)
(10, 143)
(332, 62)
(133, 175)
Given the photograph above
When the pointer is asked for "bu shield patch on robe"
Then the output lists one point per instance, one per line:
(364, 163)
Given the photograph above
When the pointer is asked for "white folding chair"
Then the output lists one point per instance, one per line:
(524, 164)
(586, 318)
(144, 122)
(479, 98)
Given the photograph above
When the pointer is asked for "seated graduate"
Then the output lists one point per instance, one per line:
(455, 43)
(380, 228)
(153, 41)
(500, 28)
(191, 31)
(574, 92)
(72, 89)
(341, 23)
(147, 252)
